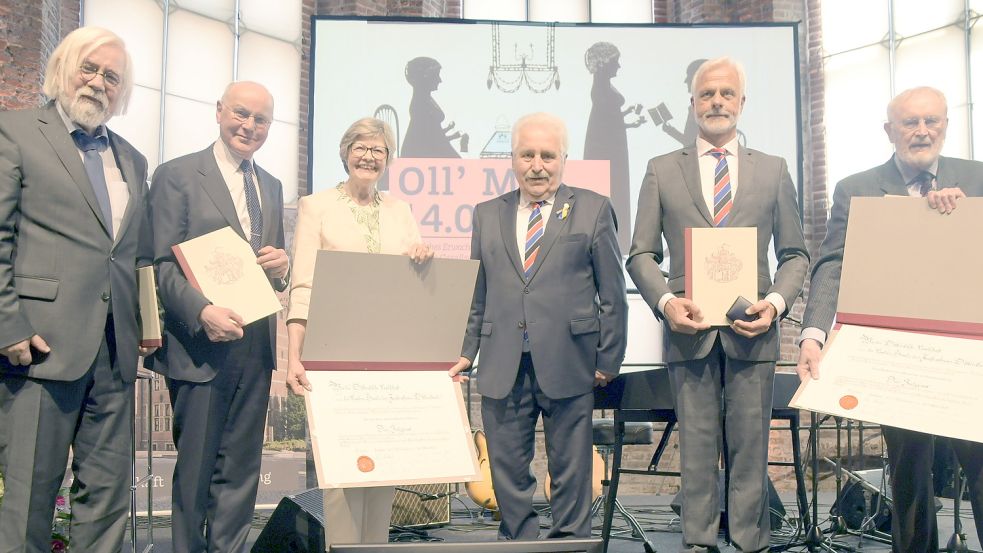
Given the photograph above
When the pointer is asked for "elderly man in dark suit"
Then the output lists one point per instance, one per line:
(916, 125)
(73, 231)
(549, 316)
(218, 370)
(717, 183)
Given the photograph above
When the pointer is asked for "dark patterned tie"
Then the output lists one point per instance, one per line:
(91, 147)
(722, 198)
(252, 206)
(925, 182)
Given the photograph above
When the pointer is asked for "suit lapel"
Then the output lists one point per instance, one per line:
(946, 178)
(214, 185)
(892, 183)
(689, 164)
(507, 222)
(746, 166)
(57, 135)
(554, 227)
(267, 202)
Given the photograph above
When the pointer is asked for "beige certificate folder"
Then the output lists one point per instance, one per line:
(908, 267)
(150, 334)
(222, 266)
(384, 312)
(721, 264)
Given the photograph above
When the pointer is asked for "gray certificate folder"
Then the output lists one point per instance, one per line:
(384, 312)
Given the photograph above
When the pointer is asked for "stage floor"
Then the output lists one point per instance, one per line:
(654, 514)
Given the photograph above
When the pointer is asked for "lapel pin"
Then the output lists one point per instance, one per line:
(563, 212)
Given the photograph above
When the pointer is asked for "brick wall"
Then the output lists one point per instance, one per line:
(29, 31)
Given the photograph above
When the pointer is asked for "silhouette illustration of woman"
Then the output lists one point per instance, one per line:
(607, 136)
(425, 135)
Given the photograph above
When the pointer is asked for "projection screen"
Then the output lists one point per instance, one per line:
(451, 90)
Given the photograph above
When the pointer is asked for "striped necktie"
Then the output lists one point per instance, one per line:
(534, 235)
(252, 206)
(722, 197)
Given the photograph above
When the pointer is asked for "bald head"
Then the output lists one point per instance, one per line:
(244, 115)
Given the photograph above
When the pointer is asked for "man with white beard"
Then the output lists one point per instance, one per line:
(73, 230)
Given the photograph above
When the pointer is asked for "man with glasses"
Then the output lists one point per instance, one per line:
(218, 369)
(73, 231)
(916, 125)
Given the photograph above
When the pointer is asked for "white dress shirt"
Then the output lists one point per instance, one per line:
(522, 219)
(228, 165)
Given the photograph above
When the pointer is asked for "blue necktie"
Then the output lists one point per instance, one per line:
(252, 206)
(91, 147)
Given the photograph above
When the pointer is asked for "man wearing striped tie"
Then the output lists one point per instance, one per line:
(730, 369)
(549, 316)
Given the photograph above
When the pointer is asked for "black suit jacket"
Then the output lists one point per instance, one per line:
(60, 268)
(189, 198)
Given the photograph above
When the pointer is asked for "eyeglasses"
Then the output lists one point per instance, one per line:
(89, 70)
(242, 116)
(932, 123)
(358, 150)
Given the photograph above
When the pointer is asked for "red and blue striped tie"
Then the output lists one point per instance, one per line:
(534, 235)
(722, 197)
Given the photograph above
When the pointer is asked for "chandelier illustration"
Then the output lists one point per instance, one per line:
(509, 77)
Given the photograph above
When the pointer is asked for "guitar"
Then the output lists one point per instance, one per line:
(482, 492)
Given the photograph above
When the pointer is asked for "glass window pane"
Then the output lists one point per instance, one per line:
(957, 134)
(621, 11)
(848, 25)
(141, 124)
(568, 11)
(199, 56)
(936, 59)
(140, 23)
(505, 10)
(916, 16)
(189, 126)
(275, 64)
(277, 19)
(279, 156)
(857, 93)
(223, 10)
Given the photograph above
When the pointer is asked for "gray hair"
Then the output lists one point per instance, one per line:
(892, 106)
(542, 119)
(63, 65)
(717, 62)
(367, 127)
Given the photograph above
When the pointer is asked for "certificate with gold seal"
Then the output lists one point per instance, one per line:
(721, 265)
(222, 266)
(919, 381)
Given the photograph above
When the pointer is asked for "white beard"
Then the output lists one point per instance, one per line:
(83, 111)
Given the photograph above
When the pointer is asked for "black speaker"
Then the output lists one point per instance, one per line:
(774, 503)
(861, 500)
(296, 526)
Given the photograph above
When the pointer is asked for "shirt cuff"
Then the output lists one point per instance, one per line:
(813, 333)
(778, 301)
(663, 301)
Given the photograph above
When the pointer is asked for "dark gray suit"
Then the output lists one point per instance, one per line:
(914, 528)
(219, 391)
(715, 361)
(575, 311)
(61, 275)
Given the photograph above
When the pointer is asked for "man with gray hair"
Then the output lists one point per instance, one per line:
(549, 315)
(73, 230)
(725, 369)
(218, 369)
(917, 120)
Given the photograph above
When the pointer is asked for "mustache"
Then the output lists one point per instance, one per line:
(97, 95)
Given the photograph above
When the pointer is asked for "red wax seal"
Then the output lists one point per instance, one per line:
(365, 464)
(849, 402)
